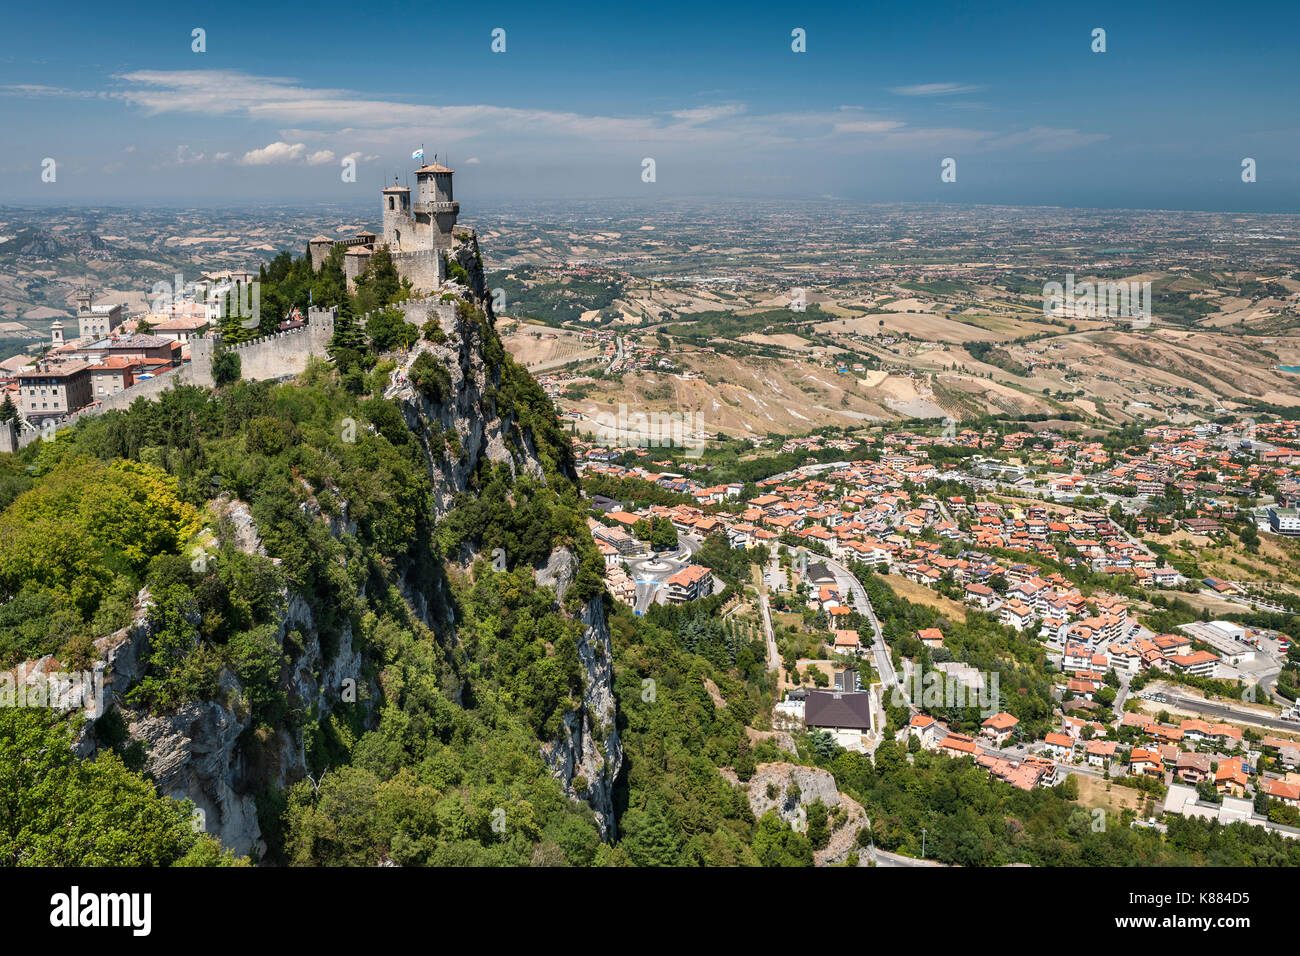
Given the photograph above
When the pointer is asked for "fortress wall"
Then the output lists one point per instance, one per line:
(353, 266)
(9, 438)
(424, 268)
(404, 232)
(419, 311)
(285, 353)
(319, 253)
(200, 367)
(273, 356)
(148, 388)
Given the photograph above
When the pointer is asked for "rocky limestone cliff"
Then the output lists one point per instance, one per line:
(200, 752)
(455, 434)
(587, 754)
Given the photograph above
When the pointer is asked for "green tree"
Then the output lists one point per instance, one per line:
(226, 367)
(59, 810)
(663, 535)
(819, 833)
(650, 836)
(389, 330)
(775, 844)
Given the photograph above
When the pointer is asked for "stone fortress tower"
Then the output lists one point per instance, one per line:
(417, 234)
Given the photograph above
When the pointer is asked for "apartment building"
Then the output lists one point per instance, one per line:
(690, 584)
(55, 391)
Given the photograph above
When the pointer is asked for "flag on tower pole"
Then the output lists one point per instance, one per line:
(418, 154)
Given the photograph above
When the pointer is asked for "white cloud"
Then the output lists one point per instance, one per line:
(185, 155)
(281, 153)
(274, 154)
(315, 126)
(473, 161)
(707, 114)
(934, 89)
(868, 126)
(1045, 139)
(38, 89)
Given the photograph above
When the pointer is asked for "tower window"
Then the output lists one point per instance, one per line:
(390, 203)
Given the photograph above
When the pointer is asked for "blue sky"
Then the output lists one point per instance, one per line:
(715, 95)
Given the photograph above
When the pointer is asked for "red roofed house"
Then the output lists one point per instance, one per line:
(1288, 793)
(1231, 778)
(847, 642)
(981, 595)
(690, 583)
(931, 637)
(1145, 762)
(926, 729)
(958, 745)
(999, 727)
(1100, 752)
(1060, 745)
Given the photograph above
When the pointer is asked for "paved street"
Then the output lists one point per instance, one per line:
(884, 858)
(769, 639)
(851, 588)
(1227, 713)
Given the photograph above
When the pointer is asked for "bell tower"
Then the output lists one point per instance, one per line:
(399, 227)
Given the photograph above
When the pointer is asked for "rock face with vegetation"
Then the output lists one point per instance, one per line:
(587, 754)
(808, 800)
(210, 752)
(291, 614)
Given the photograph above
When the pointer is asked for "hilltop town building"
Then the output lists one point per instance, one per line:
(95, 321)
(417, 234)
(55, 391)
(1284, 521)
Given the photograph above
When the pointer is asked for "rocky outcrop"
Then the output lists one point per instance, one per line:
(558, 572)
(193, 755)
(239, 519)
(464, 426)
(201, 751)
(587, 754)
(780, 738)
(789, 789)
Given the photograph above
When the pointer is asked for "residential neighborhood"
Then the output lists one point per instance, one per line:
(1059, 556)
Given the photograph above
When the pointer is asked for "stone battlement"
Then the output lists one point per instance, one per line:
(277, 355)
